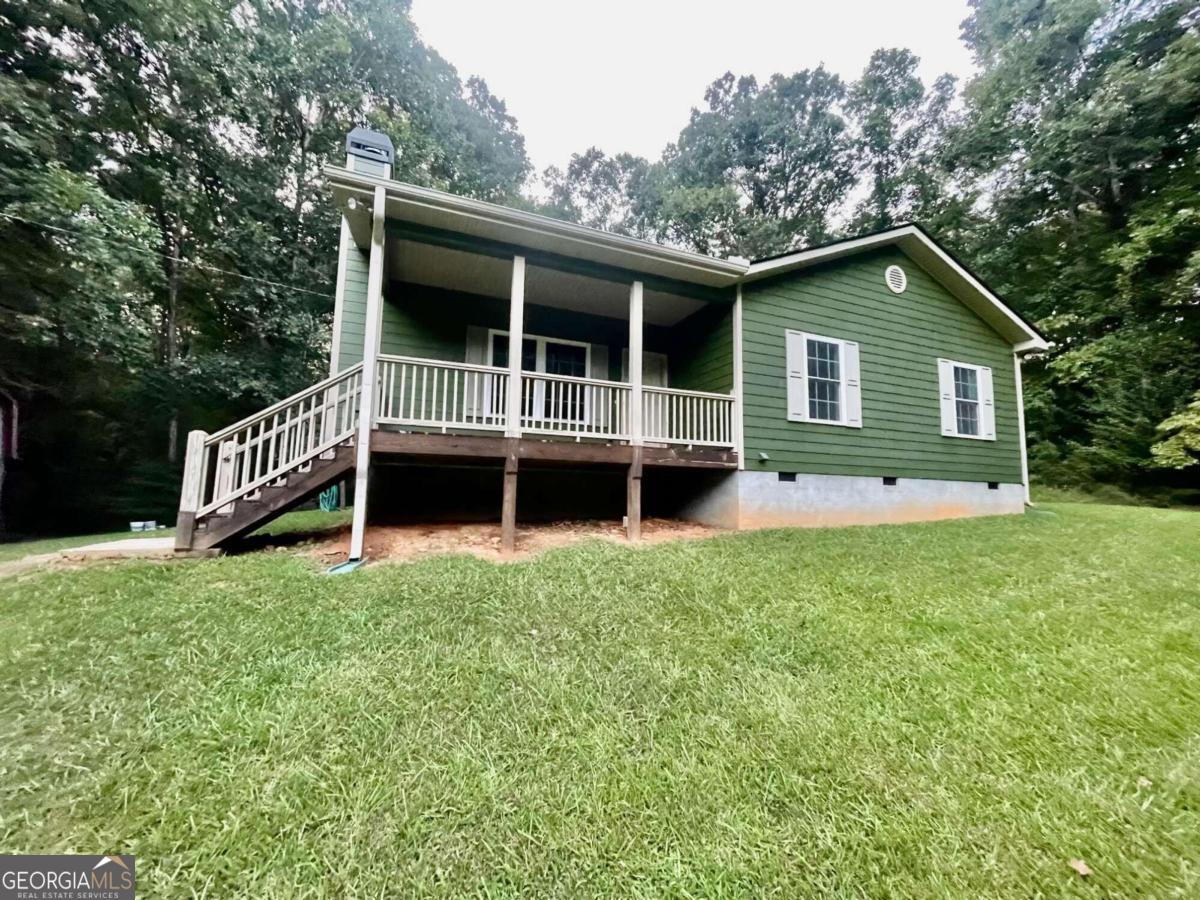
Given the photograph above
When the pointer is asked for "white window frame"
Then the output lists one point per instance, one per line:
(538, 402)
(850, 381)
(540, 352)
(949, 400)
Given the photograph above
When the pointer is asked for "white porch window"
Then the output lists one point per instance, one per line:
(549, 356)
(823, 380)
(967, 401)
(553, 356)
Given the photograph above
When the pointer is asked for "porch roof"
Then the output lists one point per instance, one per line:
(439, 210)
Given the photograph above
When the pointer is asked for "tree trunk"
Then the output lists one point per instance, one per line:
(170, 339)
(4, 439)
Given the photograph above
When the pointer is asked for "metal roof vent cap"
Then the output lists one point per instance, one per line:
(369, 152)
(896, 280)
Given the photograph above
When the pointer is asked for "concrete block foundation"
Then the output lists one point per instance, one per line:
(745, 500)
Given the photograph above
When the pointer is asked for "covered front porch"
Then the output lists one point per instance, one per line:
(470, 341)
(519, 355)
(464, 329)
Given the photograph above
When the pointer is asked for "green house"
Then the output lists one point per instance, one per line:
(869, 380)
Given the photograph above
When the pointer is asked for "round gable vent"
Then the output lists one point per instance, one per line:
(896, 280)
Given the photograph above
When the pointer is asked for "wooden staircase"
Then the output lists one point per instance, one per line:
(257, 509)
(247, 474)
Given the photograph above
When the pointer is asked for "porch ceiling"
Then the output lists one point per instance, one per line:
(489, 276)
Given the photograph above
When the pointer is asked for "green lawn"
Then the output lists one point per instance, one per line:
(956, 709)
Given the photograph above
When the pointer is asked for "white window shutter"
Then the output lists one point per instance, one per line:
(987, 405)
(599, 362)
(853, 384)
(946, 394)
(797, 371)
(476, 389)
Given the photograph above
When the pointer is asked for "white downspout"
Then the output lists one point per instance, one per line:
(739, 442)
(1021, 426)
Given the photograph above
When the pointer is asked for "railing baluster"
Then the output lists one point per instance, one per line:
(445, 387)
(244, 443)
(403, 381)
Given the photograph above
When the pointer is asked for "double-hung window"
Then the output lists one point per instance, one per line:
(824, 359)
(966, 400)
(968, 405)
(823, 380)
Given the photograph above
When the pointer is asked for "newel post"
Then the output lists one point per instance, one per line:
(190, 493)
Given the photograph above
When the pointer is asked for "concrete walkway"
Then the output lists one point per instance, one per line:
(127, 548)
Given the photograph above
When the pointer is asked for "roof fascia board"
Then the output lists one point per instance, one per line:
(804, 258)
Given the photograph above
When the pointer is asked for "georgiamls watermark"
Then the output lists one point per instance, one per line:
(67, 877)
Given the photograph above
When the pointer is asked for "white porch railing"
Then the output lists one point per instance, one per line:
(574, 407)
(238, 460)
(698, 418)
(441, 395)
(446, 396)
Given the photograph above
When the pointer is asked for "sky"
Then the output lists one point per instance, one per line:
(623, 75)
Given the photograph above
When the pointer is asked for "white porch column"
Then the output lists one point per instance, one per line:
(1021, 424)
(635, 364)
(516, 328)
(738, 383)
(366, 402)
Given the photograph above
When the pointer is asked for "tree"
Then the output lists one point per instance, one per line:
(900, 145)
(1082, 129)
(599, 191)
(173, 262)
(782, 147)
(1180, 446)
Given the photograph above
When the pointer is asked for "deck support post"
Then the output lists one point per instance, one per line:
(508, 504)
(366, 400)
(516, 328)
(633, 497)
(189, 497)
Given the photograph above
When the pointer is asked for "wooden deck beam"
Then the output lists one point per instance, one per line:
(534, 450)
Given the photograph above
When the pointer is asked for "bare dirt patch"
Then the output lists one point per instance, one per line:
(404, 543)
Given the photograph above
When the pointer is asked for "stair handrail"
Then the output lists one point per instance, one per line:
(245, 457)
(217, 436)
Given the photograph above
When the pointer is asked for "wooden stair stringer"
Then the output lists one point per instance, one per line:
(273, 500)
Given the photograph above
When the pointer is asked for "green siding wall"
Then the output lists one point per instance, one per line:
(900, 337)
(354, 308)
(701, 355)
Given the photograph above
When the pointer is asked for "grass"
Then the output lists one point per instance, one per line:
(301, 521)
(956, 709)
